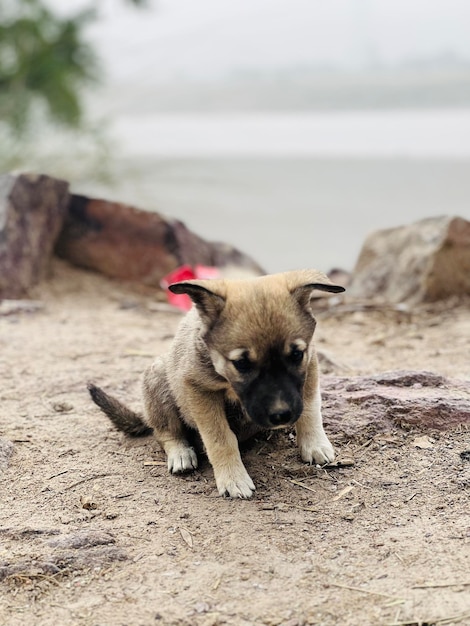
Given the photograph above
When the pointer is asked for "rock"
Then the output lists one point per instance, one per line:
(27, 569)
(83, 539)
(358, 404)
(6, 450)
(84, 550)
(32, 211)
(65, 561)
(422, 262)
(405, 378)
(88, 502)
(92, 558)
(127, 243)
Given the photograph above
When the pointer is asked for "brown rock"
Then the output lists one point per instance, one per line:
(422, 262)
(378, 403)
(32, 210)
(123, 242)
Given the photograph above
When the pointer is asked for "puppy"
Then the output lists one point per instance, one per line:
(242, 360)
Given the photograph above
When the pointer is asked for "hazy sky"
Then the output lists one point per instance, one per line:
(208, 38)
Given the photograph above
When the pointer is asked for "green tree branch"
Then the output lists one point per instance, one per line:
(45, 62)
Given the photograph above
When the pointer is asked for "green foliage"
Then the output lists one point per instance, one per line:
(44, 62)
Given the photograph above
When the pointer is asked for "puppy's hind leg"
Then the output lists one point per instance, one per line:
(163, 415)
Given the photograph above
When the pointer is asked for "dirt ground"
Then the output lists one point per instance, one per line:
(93, 531)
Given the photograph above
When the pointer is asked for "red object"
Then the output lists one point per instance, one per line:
(186, 272)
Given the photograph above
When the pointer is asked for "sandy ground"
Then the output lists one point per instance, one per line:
(102, 535)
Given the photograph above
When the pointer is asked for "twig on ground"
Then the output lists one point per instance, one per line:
(85, 480)
(58, 474)
(437, 585)
(306, 508)
(299, 484)
(342, 493)
(364, 445)
(373, 593)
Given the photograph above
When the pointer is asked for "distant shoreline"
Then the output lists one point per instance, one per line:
(290, 213)
(408, 133)
(306, 90)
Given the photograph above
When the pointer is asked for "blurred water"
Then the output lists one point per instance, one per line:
(441, 133)
(295, 190)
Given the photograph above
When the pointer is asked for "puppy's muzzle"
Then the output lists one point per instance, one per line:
(276, 408)
(280, 418)
(283, 414)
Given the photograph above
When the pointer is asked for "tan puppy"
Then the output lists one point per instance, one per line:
(242, 360)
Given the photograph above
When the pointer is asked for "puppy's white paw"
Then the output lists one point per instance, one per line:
(317, 450)
(181, 459)
(234, 482)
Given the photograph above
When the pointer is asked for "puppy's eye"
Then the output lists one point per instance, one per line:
(296, 356)
(243, 365)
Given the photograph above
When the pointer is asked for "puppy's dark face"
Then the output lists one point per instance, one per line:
(261, 344)
(269, 385)
(259, 336)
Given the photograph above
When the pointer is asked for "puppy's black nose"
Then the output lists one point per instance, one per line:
(280, 418)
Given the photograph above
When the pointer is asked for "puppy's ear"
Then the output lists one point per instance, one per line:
(301, 284)
(207, 295)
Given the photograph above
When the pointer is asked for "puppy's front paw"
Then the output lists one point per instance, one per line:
(317, 451)
(181, 459)
(234, 482)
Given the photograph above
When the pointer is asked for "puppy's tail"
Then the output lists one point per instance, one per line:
(123, 418)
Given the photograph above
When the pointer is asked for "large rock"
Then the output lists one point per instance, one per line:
(369, 404)
(32, 211)
(123, 242)
(423, 262)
